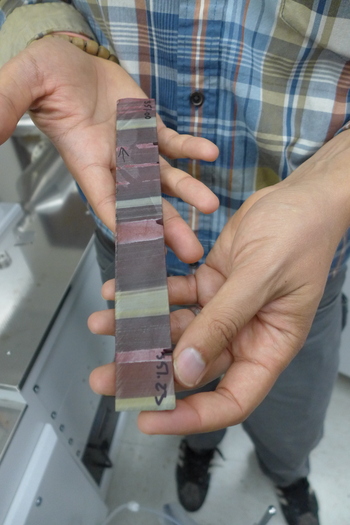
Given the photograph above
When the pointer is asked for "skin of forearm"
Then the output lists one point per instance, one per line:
(326, 176)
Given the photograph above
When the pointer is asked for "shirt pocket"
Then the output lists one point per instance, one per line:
(324, 22)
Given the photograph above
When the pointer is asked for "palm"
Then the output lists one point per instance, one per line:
(78, 115)
(279, 300)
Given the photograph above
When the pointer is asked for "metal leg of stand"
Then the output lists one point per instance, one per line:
(271, 511)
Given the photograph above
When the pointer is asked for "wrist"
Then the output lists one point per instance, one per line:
(325, 178)
(84, 43)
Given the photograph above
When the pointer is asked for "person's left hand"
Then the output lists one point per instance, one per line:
(71, 97)
(259, 289)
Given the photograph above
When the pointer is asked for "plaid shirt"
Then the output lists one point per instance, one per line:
(274, 76)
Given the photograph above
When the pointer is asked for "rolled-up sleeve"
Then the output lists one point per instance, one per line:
(28, 22)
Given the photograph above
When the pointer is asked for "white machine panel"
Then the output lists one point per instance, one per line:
(62, 385)
(345, 340)
(50, 483)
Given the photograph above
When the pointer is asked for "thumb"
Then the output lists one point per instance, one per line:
(19, 87)
(211, 334)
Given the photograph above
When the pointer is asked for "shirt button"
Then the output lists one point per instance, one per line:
(197, 98)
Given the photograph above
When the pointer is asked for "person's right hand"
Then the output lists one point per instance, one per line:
(259, 290)
(71, 97)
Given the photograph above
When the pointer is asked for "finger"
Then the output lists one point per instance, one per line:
(215, 328)
(182, 290)
(208, 281)
(177, 183)
(103, 380)
(108, 290)
(174, 145)
(98, 185)
(179, 236)
(177, 233)
(236, 396)
(102, 323)
(179, 321)
(198, 288)
(185, 419)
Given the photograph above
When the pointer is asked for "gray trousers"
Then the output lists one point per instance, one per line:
(288, 424)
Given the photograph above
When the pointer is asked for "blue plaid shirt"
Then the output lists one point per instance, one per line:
(274, 76)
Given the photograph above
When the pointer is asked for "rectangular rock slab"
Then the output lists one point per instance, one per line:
(144, 369)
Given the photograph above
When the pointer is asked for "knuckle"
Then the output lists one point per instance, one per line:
(223, 328)
(191, 284)
(104, 203)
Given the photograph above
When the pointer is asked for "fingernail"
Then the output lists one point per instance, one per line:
(189, 367)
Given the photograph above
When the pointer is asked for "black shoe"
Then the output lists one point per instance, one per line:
(298, 503)
(192, 476)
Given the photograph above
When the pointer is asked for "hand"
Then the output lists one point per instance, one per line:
(71, 96)
(259, 288)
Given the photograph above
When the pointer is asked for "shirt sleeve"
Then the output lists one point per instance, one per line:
(26, 23)
(344, 128)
